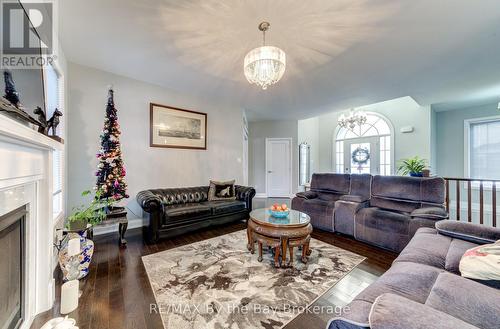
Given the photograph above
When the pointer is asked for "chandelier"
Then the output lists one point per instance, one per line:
(352, 119)
(264, 66)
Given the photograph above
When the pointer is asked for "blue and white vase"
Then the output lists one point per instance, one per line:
(76, 267)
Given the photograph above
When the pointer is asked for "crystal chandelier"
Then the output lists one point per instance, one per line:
(352, 119)
(264, 66)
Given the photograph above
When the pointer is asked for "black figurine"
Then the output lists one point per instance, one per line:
(53, 122)
(10, 89)
(42, 118)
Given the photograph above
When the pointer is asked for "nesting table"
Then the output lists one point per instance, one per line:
(280, 234)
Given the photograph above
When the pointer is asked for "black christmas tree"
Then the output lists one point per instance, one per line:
(110, 170)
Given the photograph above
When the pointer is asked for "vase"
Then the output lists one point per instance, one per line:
(76, 267)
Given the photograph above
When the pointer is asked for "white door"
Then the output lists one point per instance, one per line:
(361, 156)
(279, 167)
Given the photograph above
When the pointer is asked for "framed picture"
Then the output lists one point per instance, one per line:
(177, 128)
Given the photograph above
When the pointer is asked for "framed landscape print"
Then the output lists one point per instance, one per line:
(177, 128)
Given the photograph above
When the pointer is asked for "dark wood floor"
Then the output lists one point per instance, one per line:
(116, 294)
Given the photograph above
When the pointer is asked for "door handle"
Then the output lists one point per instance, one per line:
(269, 171)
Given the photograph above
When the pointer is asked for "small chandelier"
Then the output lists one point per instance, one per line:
(264, 66)
(352, 119)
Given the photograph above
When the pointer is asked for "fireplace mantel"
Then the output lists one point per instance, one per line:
(19, 133)
(26, 179)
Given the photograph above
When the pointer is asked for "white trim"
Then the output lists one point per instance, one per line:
(393, 145)
(467, 124)
(261, 195)
(290, 170)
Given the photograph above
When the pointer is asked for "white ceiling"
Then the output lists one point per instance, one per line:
(340, 53)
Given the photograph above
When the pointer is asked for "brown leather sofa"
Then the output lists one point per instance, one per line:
(174, 211)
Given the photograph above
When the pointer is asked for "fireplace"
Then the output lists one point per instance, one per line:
(12, 268)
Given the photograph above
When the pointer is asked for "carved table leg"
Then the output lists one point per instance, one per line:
(122, 228)
(284, 247)
(290, 262)
(277, 256)
(260, 252)
(250, 243)
(305, 252)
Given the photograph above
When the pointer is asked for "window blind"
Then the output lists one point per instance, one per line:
(484, 150)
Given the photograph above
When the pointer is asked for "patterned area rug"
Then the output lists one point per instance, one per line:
(218, 284)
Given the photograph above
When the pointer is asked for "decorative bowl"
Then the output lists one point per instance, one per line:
(279, 214)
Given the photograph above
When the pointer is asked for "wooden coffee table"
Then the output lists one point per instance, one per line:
(281, 234)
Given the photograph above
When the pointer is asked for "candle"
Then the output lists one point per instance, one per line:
(73, 247)
(69, 296)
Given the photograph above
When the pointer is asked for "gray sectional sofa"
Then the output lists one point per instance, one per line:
(385, 211)
(424, 289)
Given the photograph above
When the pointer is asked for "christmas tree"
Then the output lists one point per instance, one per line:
(110, 170)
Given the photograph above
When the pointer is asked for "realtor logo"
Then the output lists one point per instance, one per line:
(27, 33)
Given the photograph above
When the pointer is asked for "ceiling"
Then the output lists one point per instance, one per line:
(340, 53)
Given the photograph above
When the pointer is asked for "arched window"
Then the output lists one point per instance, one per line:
(373, 138)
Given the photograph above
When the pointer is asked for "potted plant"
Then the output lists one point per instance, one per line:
(93, 213)
(412, 166)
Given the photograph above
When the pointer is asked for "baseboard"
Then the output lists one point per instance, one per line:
(261, 195)
(132, 223)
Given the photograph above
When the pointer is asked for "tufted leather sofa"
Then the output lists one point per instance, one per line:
(174, 211)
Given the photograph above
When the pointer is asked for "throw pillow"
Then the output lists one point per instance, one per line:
(221, 191)
(482, 263)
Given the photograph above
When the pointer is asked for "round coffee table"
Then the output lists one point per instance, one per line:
(281, 234)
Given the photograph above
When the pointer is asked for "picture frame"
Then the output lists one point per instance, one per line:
(173, 127)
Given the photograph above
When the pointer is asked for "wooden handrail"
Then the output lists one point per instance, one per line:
(472, 179)
(481, 182)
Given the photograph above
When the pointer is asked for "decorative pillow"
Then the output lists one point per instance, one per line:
(482, 263)
(221, 190)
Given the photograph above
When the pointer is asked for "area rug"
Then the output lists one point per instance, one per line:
(218, 283)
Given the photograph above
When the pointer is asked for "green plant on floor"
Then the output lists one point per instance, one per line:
(412, 166)
(93, 213)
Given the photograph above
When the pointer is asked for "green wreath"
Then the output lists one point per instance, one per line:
(360, 156)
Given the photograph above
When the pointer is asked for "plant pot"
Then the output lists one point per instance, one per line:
(416, 174)
(78, 225)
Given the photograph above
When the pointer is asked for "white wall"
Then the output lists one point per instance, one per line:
(401, 112)
(258, 132)
(146, 167)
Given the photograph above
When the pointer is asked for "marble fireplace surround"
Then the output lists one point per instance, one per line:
(26, 179)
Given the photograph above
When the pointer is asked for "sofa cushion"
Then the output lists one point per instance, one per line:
(430, 212)
(410, 280)
(455, 252)
(427, 247)
(329, 197)
(391, 311)
(433, 249)
(386, 229)
(331, 183)
(394, 204)
(223, 207)
(321, 213)
(467, 300)
(187, 211)
(406, 194)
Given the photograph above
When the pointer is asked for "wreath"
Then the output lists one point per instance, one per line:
(360, 156)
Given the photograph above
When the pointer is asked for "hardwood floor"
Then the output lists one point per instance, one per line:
(116, 294)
